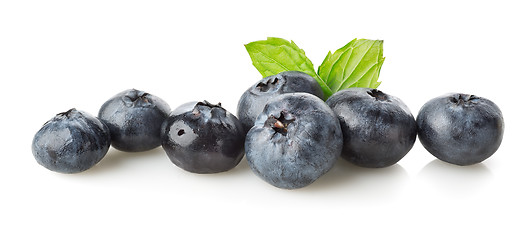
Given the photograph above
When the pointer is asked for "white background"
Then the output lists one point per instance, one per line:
(55, 55)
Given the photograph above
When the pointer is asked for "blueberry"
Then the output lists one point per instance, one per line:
(295, 140)
(134, 118)
(201, 137)
(378, 128)
(253, 100)
(461, 129)
(71, 142)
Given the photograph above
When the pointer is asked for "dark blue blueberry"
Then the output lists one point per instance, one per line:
(253, 100)
(295, 140)
(71, 142)
(134, 118)
(461, 129)
(200, 137)
(378, 128)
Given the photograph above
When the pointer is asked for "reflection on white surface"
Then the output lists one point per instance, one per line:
(118, 161)
(453, 179)
(362, 184)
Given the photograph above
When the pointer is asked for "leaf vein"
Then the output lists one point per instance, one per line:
(345, 80)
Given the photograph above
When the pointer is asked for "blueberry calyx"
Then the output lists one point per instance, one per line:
(208, 104)
(378, 95)
(71, 113)
(463, 99)
(68, 114)
(265, 87)
(279, 124)
(135, 97)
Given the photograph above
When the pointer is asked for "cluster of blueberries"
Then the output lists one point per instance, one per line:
(289, 134)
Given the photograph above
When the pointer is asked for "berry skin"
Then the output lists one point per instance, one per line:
(201, 137)
(253, 100)
(71, 142)
(461, 129)
(295, 140)
(378, 128)
(134, 118)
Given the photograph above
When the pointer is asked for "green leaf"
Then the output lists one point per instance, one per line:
(357, 64)
(275, 55)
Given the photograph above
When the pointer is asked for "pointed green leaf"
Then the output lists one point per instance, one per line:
(275, 55)
(357, 64)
